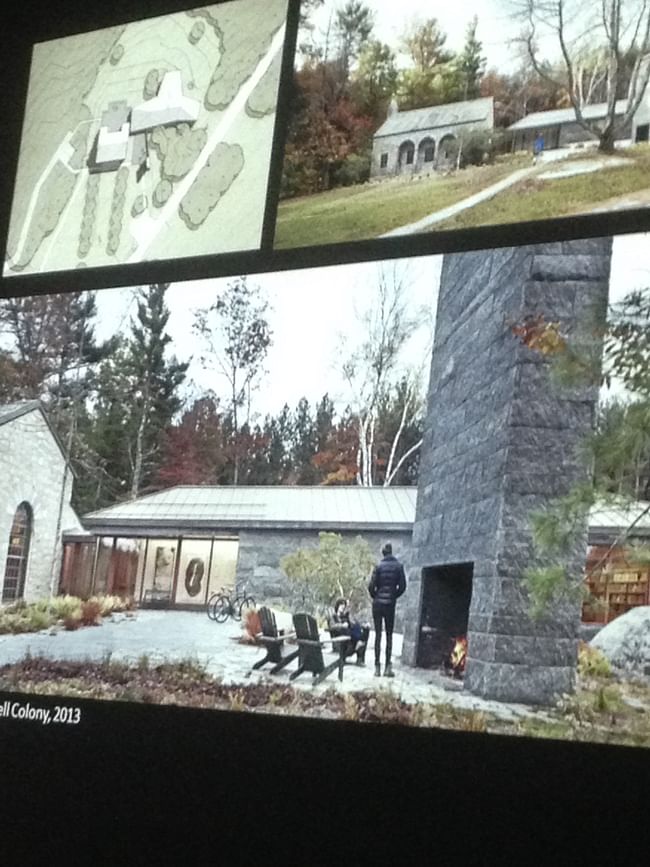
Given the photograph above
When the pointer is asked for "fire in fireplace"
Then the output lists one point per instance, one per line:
(446, 597)
(458, 656)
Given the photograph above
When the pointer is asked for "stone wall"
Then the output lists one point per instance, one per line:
(260, 552)
(390, 144)
(501, 441)
(31, 471)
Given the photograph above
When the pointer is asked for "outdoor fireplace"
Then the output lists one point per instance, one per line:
(502, 439)
(446, 597)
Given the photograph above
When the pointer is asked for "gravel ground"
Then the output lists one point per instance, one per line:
(176, 635)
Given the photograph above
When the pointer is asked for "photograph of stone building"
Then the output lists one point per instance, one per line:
(426, 139)
(35, 505)
(239, 534)
(425, 118)
(471, 438)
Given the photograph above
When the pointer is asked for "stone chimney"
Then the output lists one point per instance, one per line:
(501, 441)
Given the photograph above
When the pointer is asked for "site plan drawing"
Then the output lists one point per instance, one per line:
(148, 141)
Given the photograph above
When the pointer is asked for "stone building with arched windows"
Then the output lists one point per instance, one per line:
(35, 492)
(425, 139)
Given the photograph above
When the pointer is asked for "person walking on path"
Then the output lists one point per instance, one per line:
(387, 584)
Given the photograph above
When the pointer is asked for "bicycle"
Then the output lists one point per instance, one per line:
(222, 605)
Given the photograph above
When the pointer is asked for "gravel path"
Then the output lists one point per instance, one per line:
(177, 635)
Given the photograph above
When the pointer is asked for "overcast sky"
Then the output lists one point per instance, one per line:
(495, 23)
(311, 309)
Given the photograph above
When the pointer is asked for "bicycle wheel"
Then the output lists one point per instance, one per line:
(209, 607)
(222, 609)
(247, 604)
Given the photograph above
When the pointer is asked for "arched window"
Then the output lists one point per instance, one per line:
(17, 554)
(406, 154)
(448, 148)
(426, 150)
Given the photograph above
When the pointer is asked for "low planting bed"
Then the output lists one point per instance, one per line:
(68, 612)
(605, 708)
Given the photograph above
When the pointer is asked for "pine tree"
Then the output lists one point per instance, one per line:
(353, 27)
(156, 381)
(136, 401)
(471, 62)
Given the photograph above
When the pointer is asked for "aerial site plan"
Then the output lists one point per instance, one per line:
(147, 141)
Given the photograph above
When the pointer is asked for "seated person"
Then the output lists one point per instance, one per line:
(340, 622)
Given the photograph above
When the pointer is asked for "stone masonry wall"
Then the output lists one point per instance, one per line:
(501, 441)
(260, 552)
(31, 470)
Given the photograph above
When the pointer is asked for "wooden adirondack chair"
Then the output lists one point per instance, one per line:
(310, 648)
(273, 640)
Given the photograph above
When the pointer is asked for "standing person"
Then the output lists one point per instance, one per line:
(386, 585)
(538, 147)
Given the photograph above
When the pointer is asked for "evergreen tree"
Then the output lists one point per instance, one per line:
(471, 63)
(354, 24)
(433, 77)
(137, 398)
(53, 355)
(155, 379)
(303, 446)
(375, 80)
(52, 351)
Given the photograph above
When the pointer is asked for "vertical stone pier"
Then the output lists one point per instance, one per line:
(501, 440)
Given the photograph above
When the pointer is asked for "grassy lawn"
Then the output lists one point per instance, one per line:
(369, 210)
(604, 709)
(355, 213)
(536, 199)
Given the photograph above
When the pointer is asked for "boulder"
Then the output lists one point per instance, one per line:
(626, 641)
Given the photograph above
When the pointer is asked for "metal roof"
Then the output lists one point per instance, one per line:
(610, 519)
(10, 411)
(277, 507)
(434, 117)
(565, 115)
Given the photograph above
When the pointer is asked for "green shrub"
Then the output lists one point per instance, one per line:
(354, 170)
(592, 662)
(335, 568)
(66, 606)
(38, 619)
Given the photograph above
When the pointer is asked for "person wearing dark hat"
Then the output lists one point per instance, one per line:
(340, 622)
(387, 584)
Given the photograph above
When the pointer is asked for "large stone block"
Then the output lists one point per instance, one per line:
(525, 684)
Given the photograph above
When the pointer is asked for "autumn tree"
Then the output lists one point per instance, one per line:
(236, 337)
(592, 42)
(337, 458)
(194, 451)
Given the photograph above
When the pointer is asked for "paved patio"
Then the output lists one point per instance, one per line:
(177, 635)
